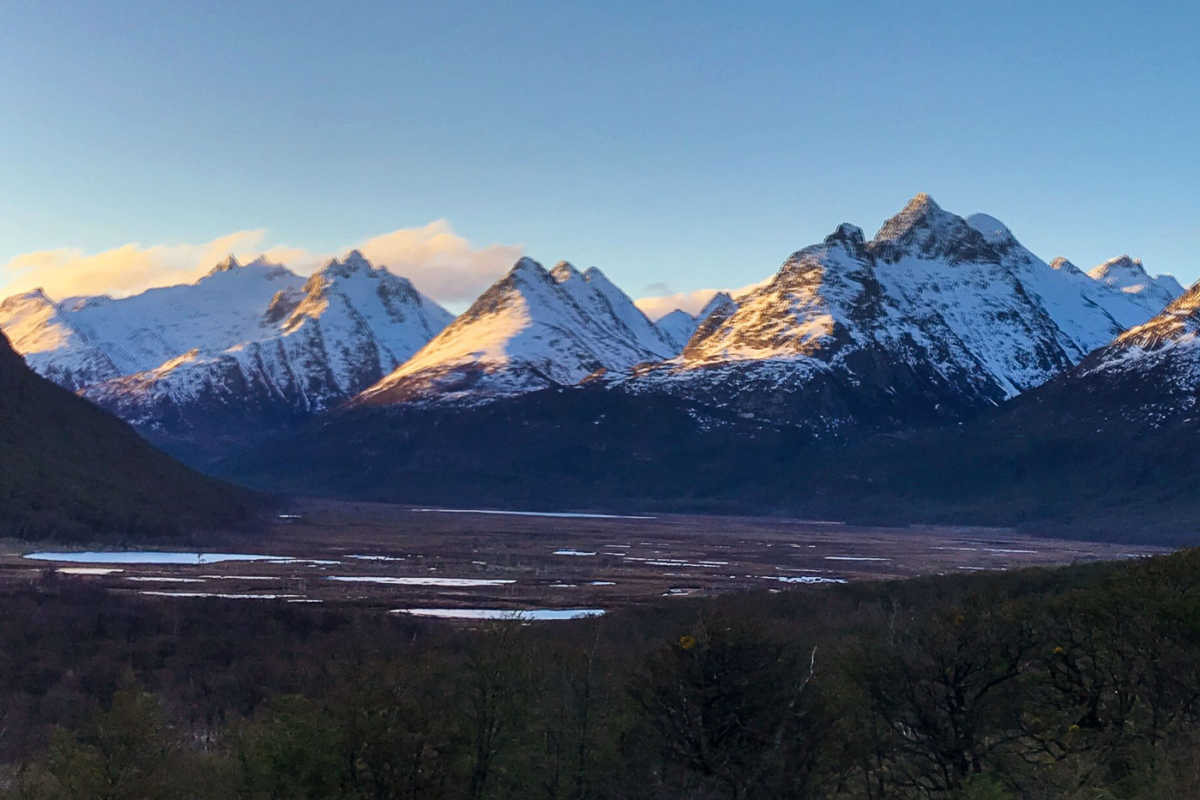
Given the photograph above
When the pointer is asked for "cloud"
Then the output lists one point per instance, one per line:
(437, 260)
(691, 302)
(124, 270)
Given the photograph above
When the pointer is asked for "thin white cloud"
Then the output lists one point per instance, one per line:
(437, 260)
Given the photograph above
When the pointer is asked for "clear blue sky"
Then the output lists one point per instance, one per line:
(694, 144)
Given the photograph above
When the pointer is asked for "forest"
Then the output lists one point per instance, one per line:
(1072, 682)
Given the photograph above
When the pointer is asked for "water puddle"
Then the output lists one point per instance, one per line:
(422, 581)
(533, 614)
(563, 514)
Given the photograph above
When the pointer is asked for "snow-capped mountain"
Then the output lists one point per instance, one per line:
(678, 326)
(1127, 275)
(934, 317)
(531, 330)
(50, 344)
(242, 348)
(1150, 372)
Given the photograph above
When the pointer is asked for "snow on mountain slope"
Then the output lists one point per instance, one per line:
(934, 316)
(1086, 308)
(678, 326)
(1128, 276)
(244, 347)
(50, 344)
(532, 329)
(1134, 400)
(218, 311)
(1163, 353)
(822, 344)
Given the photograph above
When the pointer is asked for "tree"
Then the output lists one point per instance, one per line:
(729, 707)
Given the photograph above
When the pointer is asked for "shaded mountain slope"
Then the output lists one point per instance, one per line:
(69, 470)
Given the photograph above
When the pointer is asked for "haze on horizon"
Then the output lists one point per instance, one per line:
(679, 148)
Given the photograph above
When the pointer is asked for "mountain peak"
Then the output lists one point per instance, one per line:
(1064, 265)
(354, 263)
(524, 268)
(720, 301)
(921, 212)
(851, 234)
(1122, 263)
(38, 294)
(227, 264)
(1121, 272)
(925, 230)
(563, 271)
(992, 229)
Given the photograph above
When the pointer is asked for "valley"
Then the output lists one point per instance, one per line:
(455, 562)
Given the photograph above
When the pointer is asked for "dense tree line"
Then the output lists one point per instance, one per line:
(1079, 682)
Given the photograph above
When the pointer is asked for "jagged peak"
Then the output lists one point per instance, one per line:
(37, 294)
(1065, 265)
(925, 230)
(1121, 263)
(563, 271)
(720, 300)
(353, 263)
(227, 264)
(920, 212)
(526, 265)
(677, 313)
(846, 232)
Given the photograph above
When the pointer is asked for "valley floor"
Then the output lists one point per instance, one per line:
(404, 558)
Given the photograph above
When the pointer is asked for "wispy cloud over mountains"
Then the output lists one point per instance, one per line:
(439, 261)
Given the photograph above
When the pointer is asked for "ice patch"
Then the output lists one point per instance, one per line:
(565, 514)
(154, 579)
(162, 557)
(87, 571)
(801, 579)
(245, 577)
(856, 558)
(569, 552)
(221, 595)
(534, 614)
(422, 581)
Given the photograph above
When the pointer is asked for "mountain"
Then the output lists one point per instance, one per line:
(956, 357)
(935, 318)
(246, 349)
(678, 326)
(530, 330)
(70, 471)
(1128, 276)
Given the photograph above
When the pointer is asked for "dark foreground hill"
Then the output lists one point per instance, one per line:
(69, 470)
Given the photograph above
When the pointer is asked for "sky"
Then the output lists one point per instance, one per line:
(678, 146)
